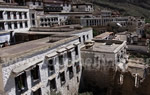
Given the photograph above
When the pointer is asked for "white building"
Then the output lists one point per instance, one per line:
(41, 67)
(14, 19)
(86, 7)
(103, 21)
(84, 34)
(104, 54)
(57, 18)
(106, 13)
(57, 6)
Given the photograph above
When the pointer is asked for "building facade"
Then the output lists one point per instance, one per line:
(86, 7)
(14, 19)
(106, 54)
(104, 21)
(43, 71)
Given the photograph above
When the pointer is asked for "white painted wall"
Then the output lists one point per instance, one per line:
(9, 82)
(88, 33)
(16, 20)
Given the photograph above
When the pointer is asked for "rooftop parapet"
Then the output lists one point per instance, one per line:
(26, 49)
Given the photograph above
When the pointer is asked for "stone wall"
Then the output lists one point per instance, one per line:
(9, 81)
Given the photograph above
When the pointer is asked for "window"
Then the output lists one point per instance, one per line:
(83, 38)
(33, 16)
(69, 55)
(118, 58)
(76, 50)
(70, 72)
(2, 26)
(40, 3)
(1, 14)
(77, 79)
(15, 15)
(42, 19)
(21, 83)
(48, 19)
(15, 25)
(9, 26)
(77, 64)
(45, 19)
(8, 15)
(77, 6)
(51, 67)
(21, 25)
(20, 15)
(79, 39)
(61, 63)
(26, 24)
(33, 22)
(42, 25)
(62, 78)
(53, 85)
(33, 3)
(25, 15)
(87, 36)
(35, 75)
(67, 87)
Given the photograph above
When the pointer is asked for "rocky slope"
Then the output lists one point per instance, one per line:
(126, 7)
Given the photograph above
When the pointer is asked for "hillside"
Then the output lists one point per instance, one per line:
(126, 7)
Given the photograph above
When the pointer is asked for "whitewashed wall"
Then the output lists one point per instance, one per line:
(9, 82)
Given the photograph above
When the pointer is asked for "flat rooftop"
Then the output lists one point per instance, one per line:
(4, 32)
(103, 35)
(28, 48)
(107, 46)
(52, 31)
(12, 5)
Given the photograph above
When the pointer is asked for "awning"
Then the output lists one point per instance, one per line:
(61, 50)
(52, 77)
(77, 43)
(25, 66)
(36, 87)
(70, 47)
(52, 54)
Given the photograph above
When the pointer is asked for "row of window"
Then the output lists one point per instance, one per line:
(102, 22)
(84, 38)
(48, 24)
(37, 3)
(53, 9)
(49, 19)
(14, 14)
(21, 80)
(2, 27)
